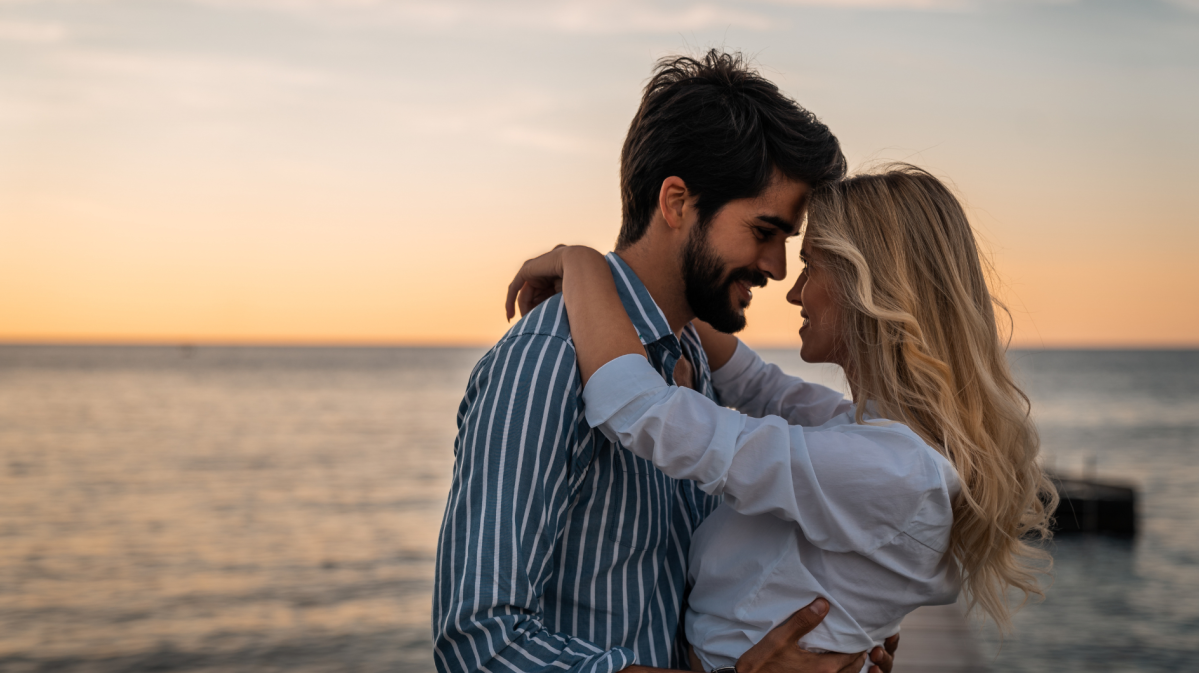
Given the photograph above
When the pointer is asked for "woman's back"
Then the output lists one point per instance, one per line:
(751, 572)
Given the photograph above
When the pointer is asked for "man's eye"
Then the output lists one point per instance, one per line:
(761, 233)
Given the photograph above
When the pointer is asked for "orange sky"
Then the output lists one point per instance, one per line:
(327, 171)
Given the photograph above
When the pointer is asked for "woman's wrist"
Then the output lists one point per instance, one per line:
(581, 258)
(583, 270)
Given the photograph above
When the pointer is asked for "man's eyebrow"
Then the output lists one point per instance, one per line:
(783, 225)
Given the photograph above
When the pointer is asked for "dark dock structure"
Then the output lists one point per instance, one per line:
(1093, 506)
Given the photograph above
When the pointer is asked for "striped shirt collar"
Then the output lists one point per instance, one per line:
(647, 318)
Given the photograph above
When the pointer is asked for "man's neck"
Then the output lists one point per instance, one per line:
(664, 283)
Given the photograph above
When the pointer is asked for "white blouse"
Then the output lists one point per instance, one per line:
(858, 514)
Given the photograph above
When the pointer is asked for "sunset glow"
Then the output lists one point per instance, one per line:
(351, 171)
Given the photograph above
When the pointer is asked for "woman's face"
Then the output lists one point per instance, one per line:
(822, 314)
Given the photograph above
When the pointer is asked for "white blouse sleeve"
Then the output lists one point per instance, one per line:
(850, 488)
(755, 388)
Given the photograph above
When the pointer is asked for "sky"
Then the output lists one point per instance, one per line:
(365, 171)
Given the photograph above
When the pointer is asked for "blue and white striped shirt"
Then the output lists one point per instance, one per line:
(559, 549)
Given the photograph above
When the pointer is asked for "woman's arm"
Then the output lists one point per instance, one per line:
(850, 488)
(599, 326)
(601, 331)
(746, 383)
(756, 388)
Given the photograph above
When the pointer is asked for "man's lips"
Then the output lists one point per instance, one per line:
(745, 291)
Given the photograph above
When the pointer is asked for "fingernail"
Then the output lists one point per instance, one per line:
(819, 607)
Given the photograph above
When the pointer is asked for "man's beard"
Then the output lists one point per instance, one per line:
(708, 290)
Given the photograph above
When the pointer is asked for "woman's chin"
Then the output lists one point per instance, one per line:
(805, 353)
(810, 354)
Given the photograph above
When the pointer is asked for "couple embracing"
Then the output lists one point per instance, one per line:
(635, 488)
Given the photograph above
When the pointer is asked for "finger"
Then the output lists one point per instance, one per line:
(783, 637)
(855, 664)
(803, 620)
(526, 298)
(510, 302)
(891, 644)
(881, 658)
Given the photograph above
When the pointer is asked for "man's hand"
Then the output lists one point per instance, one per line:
(778, 652)
(884, 659)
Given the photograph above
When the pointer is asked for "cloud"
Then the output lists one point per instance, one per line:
(1192, 5)
(570, 17)
(877, 4)
(32, 32)
(551, 141)
(79, 83)
(525, 118)
(590, 16)
(620, 17)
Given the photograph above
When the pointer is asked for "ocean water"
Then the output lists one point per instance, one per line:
(271, 509)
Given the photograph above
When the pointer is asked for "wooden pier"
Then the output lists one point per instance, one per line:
(938, 640)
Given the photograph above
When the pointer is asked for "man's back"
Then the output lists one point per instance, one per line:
(560, 549)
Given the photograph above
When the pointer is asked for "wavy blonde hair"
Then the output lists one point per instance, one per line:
(922, 343)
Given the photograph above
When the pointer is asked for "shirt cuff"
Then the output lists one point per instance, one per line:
(744, 359)
(617, 384)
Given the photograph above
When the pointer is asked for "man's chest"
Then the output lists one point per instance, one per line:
(624, 544)
(624, 503)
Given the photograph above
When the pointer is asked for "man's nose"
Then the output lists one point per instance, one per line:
(773, 261)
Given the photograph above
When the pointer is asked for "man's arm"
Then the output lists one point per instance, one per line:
(505, 512)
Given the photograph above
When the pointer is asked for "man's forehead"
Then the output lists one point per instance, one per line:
(785, 199)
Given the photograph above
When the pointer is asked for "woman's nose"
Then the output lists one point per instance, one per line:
(795, 294)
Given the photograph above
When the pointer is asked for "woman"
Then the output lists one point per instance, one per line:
(926, 484)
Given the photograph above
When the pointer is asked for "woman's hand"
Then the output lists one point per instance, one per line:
(540, 278)
(599, 327)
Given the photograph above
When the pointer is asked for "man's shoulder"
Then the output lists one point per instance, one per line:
(543, 335)
(548, 319)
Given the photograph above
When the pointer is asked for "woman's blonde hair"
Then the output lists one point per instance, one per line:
(923, 345)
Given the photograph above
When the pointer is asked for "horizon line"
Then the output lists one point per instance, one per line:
(465, 344)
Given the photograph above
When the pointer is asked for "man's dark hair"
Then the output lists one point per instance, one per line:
(723, 129)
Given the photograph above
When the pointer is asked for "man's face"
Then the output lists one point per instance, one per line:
(742, 247)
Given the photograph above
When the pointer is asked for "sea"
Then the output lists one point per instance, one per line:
(276, 508)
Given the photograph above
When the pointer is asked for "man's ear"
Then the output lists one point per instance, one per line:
(672, 201)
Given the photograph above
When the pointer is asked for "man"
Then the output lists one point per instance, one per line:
(560, 550)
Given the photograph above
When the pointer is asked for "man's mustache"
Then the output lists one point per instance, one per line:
(753, 277)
